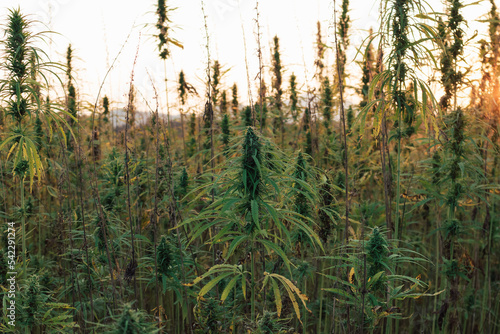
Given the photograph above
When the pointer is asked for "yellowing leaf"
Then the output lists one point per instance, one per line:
(351, 276)
(291, 289)
(415, 285)
(212, 283)
(228, 288)
(196, 280)
(351, 231)
(145, 224)
(244, 286)
(294, 301)
(277, 297)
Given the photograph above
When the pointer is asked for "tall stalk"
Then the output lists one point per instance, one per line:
(94, 183)
(79, 162)
(278, 91)
(345, 239)
(400, 45)
(208, 114)
(127, 173)
(183, 90)
(261, 82)
(179, 243)
(17, 53)
(251, 186)
(344, 132)
(154, 214)
(23, 228)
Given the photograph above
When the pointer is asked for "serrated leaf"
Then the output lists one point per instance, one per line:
(277, 250)
(277, 297)
(228, 288)
(212, 283)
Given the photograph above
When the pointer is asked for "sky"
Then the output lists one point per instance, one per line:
(121, 33)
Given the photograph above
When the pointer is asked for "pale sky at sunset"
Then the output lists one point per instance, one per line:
(97, 29)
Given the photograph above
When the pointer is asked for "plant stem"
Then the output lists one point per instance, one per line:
(23, 227)
(321, 284)
(82, 210)
(127, 172)
(253, 279)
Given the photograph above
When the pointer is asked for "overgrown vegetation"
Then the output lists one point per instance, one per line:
(296, 212)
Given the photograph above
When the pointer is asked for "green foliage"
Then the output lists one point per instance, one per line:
(38, 132)
(71, 104)
(182, 88)
(209, 316)
(327, 103)
(18, 92)
(301, 203)
(164, 257)
(381, 287)
(164, 29)
(308, 148)
(35, 311)
(207, 128)
(101, 234)
(436, 164)
(183, 184)
(277, 74)
(133, 321)
(377, 250)
(251, 184)
(216, 76)
(269, 324)
(246, 116)
(236, 230)
(451, 35)
(226, 133)
(192, 145)
(261, 114)
(223, 103)
(234, 101)
(72, 100)
(327, 216)
(293, 97)
(344, 39)
(367, 69)
(17, 58)
(105, 106)
(350, 119)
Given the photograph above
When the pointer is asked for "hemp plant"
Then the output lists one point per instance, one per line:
(226, 132)
(458, 167)
(451, 35)
(343, 43)
(23, 63)
(401, 75)
(327, 105)
(278, 91)
(249, 216)
(370, 286)
(165, 39)
(71, 103)
(191, 145)
(234, 101)
(294, 99)
(184, 90)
